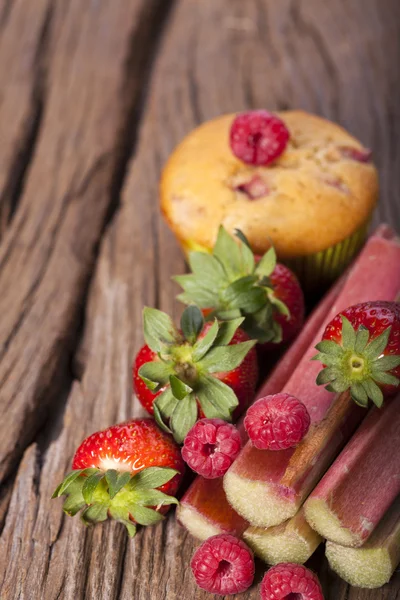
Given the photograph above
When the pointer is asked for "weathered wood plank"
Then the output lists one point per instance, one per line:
(217, 56)
(91, 98)
(21, 95)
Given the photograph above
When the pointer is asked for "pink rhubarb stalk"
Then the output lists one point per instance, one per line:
(357, 490)
(372, 565)
(268, 487)
(204, 509)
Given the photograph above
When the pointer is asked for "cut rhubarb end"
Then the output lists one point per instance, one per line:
(196, 524)
(293, 541)
(257, 501)
(358, 489)
(204, 510)
(372, 565)
(323, 520)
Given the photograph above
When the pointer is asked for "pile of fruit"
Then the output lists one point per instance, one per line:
(307, 461)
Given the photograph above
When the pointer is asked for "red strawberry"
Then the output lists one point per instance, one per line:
(360, 350)
(129, 472)
(232, 282)
(203, 369)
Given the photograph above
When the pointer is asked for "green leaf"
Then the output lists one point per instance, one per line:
(247, 256)
(155, 374)
(216, 398)
(240, 235)
(159, 330)
(267, 264)
(385, 378)
(225, 315)
(227, 251)
(227, 330)
(179, 389)
(386, 363)
(325, 376)
(192, 323)
(69, 479)
(244, 295)
(143, 515)
(348, 334)
(165, 403)
(202, 345)
(159, 419)
(152, 477)
(196, 291)
(94, 514)
(154, 498)
(207, 267)
(90, 485)
(116, 481)
(122, 516)
(73, 504)
(373, 392)
(183, 418)
(376, 347)
(362, 338)
(278, 304)
(226, 358)
(329, 347)
(327, 359)
(359, 394)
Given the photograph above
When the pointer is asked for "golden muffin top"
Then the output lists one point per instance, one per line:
(318, 192)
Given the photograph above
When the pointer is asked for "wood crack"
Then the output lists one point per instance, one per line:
(19, 168)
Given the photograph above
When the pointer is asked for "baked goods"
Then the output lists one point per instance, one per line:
(313, 203)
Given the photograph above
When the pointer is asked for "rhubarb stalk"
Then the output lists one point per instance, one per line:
(372, 565)
(204, 509)
(291, 541)
(352, 497)
(268, 487)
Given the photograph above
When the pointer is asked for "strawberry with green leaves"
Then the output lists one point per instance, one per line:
(360, 350)
(202, 369)
(128, 472)
(232, 282)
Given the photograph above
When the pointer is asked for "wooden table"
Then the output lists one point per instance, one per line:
(94, 94)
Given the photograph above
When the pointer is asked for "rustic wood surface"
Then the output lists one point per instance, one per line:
(94, 94)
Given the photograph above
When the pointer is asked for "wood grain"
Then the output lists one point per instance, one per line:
(338, 59)
(48, 252)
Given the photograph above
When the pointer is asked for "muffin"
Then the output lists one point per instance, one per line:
(313, 203)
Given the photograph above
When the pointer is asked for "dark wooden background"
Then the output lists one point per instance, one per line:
(94, 94)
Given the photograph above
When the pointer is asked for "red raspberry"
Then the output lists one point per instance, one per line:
(277, 422)
(258, 137)
(223, 564)
(255, 188)
(363, 155)
(289, 581)
(211, 446)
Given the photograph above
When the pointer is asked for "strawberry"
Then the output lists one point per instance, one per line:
(202, 369)
(360, 350)
(129, 472)
(232, 282)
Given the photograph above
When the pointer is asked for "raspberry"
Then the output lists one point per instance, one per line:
(258, 137)
(223, 564)
(211, 446)
(254, 188)
(277, 422)
(288, 581)
(363, 155)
